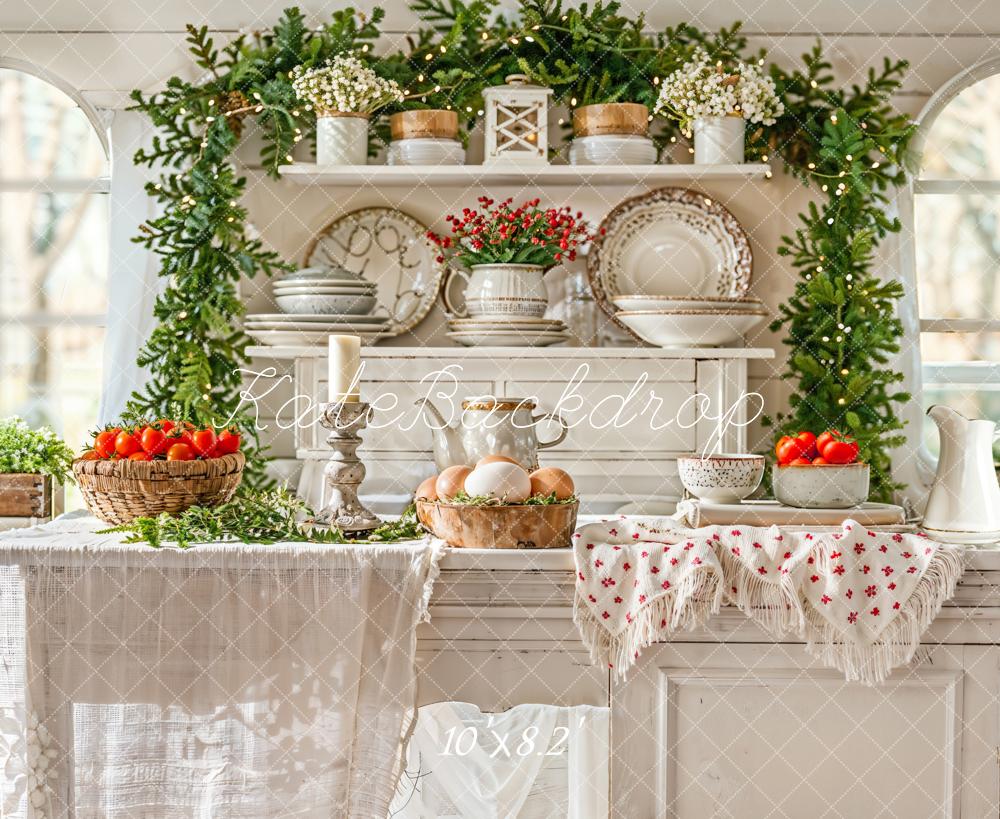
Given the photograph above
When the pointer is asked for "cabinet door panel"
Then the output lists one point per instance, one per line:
(762, 730)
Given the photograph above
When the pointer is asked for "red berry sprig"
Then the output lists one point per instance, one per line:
(495, 233)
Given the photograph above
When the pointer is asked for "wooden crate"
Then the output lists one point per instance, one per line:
(25, 495)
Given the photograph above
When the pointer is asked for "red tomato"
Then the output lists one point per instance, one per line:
(777, 446)
(800, 462)
(203, 442)
(820, 461)
(180, 452)
(810, 441)
(127, 443)
(165, 424)
(824, 439)
(841, 452)
(228, 442)
(104, 443)
(140, 456)
(154, 441)
(790, 450)
(90, 455)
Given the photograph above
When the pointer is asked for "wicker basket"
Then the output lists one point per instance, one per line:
(117, 492)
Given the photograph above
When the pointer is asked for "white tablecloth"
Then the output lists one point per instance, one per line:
(223, 681)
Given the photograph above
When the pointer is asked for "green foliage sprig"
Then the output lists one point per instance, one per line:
(587, 54)
(269, 516)
(34, 451)
(464, 498)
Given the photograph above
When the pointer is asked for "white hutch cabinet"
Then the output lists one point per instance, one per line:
(726, 721)
(631, 412)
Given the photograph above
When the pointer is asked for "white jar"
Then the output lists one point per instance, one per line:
(719, 140)
(342, 139)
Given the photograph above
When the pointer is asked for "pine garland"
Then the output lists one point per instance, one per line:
(841, 319)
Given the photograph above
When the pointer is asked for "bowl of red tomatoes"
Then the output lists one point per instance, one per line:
(820, 471)
(143, 469)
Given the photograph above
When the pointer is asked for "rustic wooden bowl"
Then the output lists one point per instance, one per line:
(500, 527)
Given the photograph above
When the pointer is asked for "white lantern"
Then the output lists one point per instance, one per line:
(517, 131)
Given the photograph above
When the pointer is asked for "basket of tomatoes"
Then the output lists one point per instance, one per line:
(145, 469)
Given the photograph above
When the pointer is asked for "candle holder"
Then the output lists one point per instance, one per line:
(344, 472)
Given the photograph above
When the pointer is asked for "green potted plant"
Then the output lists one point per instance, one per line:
(601, 65)
(31, 462)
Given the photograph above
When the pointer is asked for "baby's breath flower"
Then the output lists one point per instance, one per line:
(344, 85)
(703, 88)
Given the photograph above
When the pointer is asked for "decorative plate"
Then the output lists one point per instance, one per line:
(670, 242)
(390, 248)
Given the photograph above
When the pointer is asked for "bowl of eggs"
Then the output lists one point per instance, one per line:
(498, 504)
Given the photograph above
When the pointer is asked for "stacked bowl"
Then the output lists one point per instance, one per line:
(317, 301)
(612, 149)
(689, 321)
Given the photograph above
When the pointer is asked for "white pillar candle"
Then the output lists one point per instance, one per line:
(345, 361)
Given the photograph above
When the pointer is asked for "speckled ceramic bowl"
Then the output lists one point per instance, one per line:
(721, 478)
(826, 486)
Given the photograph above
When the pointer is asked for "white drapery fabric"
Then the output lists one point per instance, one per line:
(133, 283)
(224, 681)
(531, 762)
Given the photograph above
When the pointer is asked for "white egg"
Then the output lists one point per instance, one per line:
(507, 482)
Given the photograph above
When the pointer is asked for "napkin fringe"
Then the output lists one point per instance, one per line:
(686, 607)
(774, 606)
(872, 664)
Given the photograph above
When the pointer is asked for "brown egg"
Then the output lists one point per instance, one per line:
(549, 479)
(493, 459)
(451, 481)
(427, 489)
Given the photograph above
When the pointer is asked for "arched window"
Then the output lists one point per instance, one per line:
(53, 254)
(956, 237)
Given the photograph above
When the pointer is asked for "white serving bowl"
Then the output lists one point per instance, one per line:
(661, 303)
(690, 328)
(721, 478)
(826, 486)
(335, 289)
(320, 274)
(326, 304)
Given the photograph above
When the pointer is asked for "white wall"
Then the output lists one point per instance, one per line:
(124, 44)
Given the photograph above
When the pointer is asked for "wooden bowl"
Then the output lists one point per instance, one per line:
(500, 527)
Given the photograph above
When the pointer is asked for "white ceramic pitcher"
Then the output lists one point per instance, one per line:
(964, 503)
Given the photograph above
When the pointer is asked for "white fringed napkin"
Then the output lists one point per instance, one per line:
(859, 598)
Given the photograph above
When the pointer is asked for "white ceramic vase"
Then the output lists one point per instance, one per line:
(719, 140)
(514, 290)
(342, 139)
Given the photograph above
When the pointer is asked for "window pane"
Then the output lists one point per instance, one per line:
(43, 133)
(962, 141)
(960, 346)
(958, 255)
(972, 402)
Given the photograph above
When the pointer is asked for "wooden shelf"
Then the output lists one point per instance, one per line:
(548, 353)
(470, 175)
